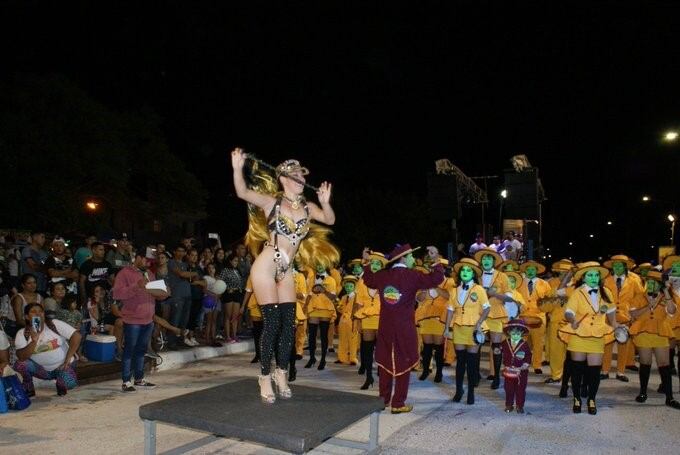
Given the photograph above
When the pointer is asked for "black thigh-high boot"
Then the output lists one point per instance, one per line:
(566, 375)
(427, 359)
(478, 363)
(643, 373)
(292, 371)
(671, 360)
(665, 373)
(593, 375)
(323, 326)
(257, 333)
(497, 359)
(439, 361)
(311, 342)
(577, 370)
(461, 366)
(473, 376)
(368, 361)
(362, 357)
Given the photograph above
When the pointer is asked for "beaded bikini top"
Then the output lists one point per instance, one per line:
(280, 224)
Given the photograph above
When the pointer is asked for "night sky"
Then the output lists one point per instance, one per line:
(585, 93)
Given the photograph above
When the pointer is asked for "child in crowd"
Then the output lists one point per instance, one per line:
(71, 313)
(516, 361)
(211, 306)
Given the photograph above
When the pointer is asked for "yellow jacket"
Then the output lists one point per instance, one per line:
(320, 301)
(346, 306)
(541, 290)
(368, 300)
(300, 288)
(469, 312)
(592, 321)
(554, 304)
(500, 285)
(631, 290)
(657, 321)
(431, 307)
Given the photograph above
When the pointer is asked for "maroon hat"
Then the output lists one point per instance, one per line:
(401, 250)
(516, 324)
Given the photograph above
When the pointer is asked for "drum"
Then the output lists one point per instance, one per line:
(512, 309)
(478, 337)
(511, 373)
(621, 334)
(533, 322)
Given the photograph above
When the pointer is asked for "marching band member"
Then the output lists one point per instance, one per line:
(671, 265)
(651, 332)
(591, 319)
(533, 289)
(348, 327)
(320, 311)
(300, 321)
(467, 310)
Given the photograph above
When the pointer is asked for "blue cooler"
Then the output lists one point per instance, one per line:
(100, 348)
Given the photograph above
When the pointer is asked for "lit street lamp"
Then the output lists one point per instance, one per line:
(671, 218)
(91, 205)
(504, 196)
(645, 198)
(670, 136)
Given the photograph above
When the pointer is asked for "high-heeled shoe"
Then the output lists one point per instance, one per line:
(255, 359)
(438, 377)
(368, 383)
(592, 409)
(281, 381)
(424, 374)
(292, 374)
(673, 404)
(310, 363)
(563, 392)
(266, 391)
(322, 365)
(641, 398)
(458, 396)
(576, 408)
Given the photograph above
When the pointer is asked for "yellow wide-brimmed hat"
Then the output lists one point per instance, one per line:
(349, 279)
(354, 262)
(377, 256)
(517, 276)
(474, 265)
(540, 268)
(421, 268)
(669, 260)
(563, 265)
(643, 266)
(497, 258)
(583, 267)
(630, 264)
(508, 262)
(654, 275)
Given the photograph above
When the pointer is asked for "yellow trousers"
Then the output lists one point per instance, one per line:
(348, 341)
(537, 341)
(556, 349)
(622, 356)
(300, 338)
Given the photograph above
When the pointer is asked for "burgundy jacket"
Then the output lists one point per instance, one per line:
(518, 357)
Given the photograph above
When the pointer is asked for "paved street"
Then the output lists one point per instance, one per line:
(97, 418)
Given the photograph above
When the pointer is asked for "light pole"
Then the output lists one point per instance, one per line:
(504, 196)
(671, 218)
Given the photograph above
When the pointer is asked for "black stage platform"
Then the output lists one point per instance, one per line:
(234, 410)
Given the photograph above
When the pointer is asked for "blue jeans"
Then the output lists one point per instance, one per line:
(136, 338)
(181, 309)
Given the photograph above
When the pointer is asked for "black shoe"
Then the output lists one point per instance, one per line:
(255, 359)
(144, 384)
(592, 409)
(552, 381)
(458, 396)
(446, 364)
(30, 393)
(471, 397)
(538, 371)
(622, 378)
(520, 410)
(604, 376)
(660, 388)
(577, 406)
(61, 392)
(310, 363)
(292, 374)
(331, 350)
(490, 377)
(495, 384)
(545, 363)
(368, 383)
(633, 368)
(563, 392)
(127, 387)
(362, 370)
(337, 361)
(438, 377)
(673, 404)
(322, 365)
(641, 398)
(424, 375)
(509, 409)
(298, 357)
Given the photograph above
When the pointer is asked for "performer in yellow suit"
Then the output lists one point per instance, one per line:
(348, 327)
(591, 320)
(300, 322)
(533, 289)
(335, 273)
(553, 305)
(626, 287)
(321, 313)
(671, 265)
(651, 332)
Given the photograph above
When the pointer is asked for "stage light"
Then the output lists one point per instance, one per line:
(591, 235)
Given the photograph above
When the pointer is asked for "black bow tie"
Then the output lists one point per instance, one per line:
(593, 291)
(488, 273)
(653, 295)
(320, 277)
(466, 287)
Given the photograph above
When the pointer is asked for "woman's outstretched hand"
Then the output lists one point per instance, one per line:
(324, 193)
(238, 158)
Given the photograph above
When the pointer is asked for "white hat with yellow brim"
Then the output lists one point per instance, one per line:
(497, 258)
(540, 268)
(474, 265)
(517, 276)
(584, 267)
(508, 263)
(654, 275)
(349, 279)
(354, 262)
(377, 256)
(630, 264)
(643, 266)
(669, 260)
(563, 265)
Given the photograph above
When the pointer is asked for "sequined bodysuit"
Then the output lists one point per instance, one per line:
(281, 225)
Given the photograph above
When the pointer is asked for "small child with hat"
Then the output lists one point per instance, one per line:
(516, 360)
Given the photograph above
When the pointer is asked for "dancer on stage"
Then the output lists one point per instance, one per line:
(467, 310)
(591, 320)
(516, 361)
(651, 332)
(397, 343)
(279, 228)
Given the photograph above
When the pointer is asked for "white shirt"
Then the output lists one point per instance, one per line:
(463, 293)
(51, 349)
(476, 247)
(4, 342)
(487, 279)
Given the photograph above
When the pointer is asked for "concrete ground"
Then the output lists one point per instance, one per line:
(98, 418)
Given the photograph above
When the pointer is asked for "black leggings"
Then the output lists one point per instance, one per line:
(278, 331)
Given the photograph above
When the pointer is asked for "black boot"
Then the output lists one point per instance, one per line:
(323, 326)
(566, 375)
(311, 343)
(577, 370)
(478, 376)
(439, 361)
(362, 354)
(593, 375)
(473, 376)
(369, 365)
(643, 373)
(427, 360)
(671, 361)
(461, 366)
(497, 359)
(665, 373)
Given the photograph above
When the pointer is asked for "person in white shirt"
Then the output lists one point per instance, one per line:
(4, 351)
(478, 245)
(46, 349)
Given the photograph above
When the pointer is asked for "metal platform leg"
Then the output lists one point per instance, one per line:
(150, 437)
(371, 447)
(373, 435)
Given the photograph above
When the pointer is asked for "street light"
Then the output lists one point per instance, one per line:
(504, 195)
(91, 205)
(646, 198)
(671, 218)
(670, 136)
(609, 223)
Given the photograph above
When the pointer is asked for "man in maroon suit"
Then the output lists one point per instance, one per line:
(396, 350)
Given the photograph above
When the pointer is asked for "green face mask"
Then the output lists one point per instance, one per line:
(466, 274)
(508, 268)
(375, 265)
(515, 336)
(410, 261)
(530, 272)
(349, 287)
(320, 269)
(652, 286)
(592, 278)
(619, 268)
(357, 269)
(512, 281)
(644, 272)
(487, 262)
(675, 269)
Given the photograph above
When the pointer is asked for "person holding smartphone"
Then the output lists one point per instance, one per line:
(47, 350)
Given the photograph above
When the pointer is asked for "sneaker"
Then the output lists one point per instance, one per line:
(232, 341)
(152, 355)
(219, 336)
(195, 342)
(189, 342)
(146, 385)
(127, 387)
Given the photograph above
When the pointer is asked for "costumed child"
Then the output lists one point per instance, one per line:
(516, 361)
(348, 327)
